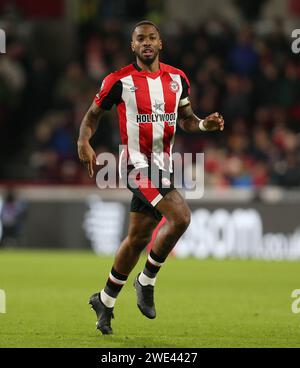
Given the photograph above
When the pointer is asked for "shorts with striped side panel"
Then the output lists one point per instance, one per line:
(148, 188)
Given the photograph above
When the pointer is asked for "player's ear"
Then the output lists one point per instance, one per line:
(160, 44)
(132, 46)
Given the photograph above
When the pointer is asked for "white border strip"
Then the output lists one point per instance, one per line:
(156, 200)
(151, 260)
(117, 281)
(184, 102)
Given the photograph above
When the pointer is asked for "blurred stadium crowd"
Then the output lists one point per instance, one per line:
(252, 79)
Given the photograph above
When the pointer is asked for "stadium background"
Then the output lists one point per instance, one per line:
(238, 57)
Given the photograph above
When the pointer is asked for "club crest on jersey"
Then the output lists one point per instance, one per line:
(174, 86)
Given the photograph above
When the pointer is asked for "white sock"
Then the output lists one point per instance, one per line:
(144, 280)
(107, 300)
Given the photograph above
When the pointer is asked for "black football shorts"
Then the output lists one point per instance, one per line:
(148, 185)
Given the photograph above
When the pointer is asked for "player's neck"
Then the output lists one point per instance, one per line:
(152, 68)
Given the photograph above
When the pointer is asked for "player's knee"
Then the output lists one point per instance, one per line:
(139, 241)
(181, 222)
(184, 222)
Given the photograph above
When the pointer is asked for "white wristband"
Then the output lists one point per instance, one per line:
(201, 125)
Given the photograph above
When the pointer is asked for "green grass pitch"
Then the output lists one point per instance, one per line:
(200, 303)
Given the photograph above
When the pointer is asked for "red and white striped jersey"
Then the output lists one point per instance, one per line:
(147, 105)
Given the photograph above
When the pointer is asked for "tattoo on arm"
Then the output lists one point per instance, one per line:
(188, 121)
(185, 112)
(90, 122)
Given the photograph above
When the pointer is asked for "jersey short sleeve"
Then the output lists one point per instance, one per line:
(185, 95)
(110, 92)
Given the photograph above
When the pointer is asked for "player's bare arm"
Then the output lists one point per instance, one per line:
(88, 127)
(189, 122)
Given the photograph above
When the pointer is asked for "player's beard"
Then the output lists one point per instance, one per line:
(147, 60)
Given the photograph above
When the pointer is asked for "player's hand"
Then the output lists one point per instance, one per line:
(87, 155)
(214, 121)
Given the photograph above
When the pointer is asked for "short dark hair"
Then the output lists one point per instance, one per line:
(145, 22)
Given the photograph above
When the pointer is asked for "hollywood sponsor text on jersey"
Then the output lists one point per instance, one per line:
(154, 118)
